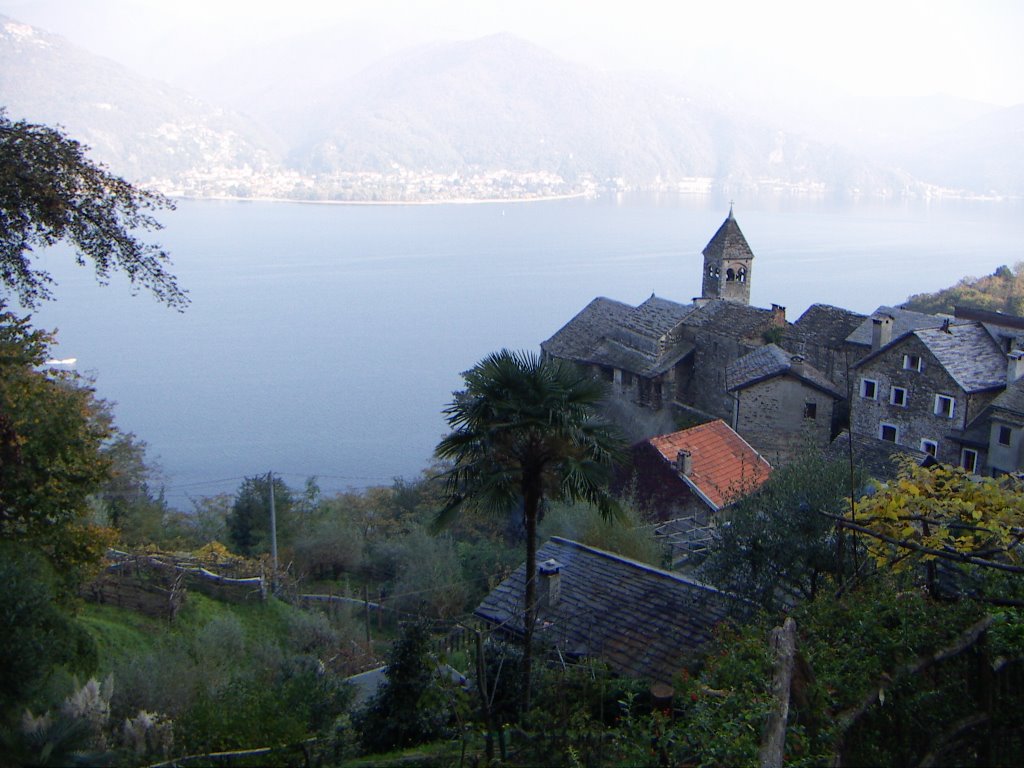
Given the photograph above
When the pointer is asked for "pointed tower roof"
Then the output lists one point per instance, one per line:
(728, 242)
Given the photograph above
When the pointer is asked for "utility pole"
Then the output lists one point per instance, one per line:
(273, 531)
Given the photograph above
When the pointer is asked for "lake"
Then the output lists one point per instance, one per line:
(326, 339)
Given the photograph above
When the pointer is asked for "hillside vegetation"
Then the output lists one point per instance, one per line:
(1002, 291)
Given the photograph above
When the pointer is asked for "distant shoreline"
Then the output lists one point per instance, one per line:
(454, 201)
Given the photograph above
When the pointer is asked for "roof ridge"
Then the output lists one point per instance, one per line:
(637, 564)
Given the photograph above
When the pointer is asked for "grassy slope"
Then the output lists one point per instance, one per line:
(121, 633)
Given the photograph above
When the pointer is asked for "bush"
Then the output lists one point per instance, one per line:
(409, 709)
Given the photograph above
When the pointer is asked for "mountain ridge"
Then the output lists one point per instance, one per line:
(477, 118)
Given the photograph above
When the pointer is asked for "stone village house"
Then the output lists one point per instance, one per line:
(784, 386)
(643, 621)
(662, 353)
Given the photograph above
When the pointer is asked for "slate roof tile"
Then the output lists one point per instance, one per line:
(642, 620)
(769, 361)
(904, 321)
(825, 325)
(728, 242)
(968, 353)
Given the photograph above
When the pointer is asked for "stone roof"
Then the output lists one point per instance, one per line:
(825, 325)
(617, 335)
(640, 619)
(724, 465)
(770, 361)
(968, 353)
(1011, 399)
(873, 455)
(728, 242)
(904, 321)
(731, 318)
(581, 334)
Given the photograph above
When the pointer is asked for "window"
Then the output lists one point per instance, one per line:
(889, 432)
(1005, 433)
(930, 447)
(969, 460)
(627, 379)
(868, 389)
(912, 363)
(608, 374)
(944, 406)
(898, 396)
(810, 410)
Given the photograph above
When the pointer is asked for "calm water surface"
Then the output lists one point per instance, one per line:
(325, 340)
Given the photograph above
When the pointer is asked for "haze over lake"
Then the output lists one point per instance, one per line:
(325, 340)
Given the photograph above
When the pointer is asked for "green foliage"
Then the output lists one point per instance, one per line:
(37, 635)
(525, 430)
(51, 192)
(228, 676)
(776, 546)
(126, 500)
(943, 511)
(630, 535)
(1002, 291)
(430, 578)
(574, 707)
(409, 708)
(51, 434)
(248, 523)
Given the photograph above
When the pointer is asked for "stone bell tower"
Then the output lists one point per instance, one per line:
(727, 264)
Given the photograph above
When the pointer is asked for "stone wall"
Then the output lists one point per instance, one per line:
(782, 416)
(915, 420)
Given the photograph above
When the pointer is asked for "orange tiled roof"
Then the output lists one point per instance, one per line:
(724, 465)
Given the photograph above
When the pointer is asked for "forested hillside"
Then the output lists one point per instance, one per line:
(1002, 291)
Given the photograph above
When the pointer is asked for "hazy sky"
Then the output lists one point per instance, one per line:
(967, 48)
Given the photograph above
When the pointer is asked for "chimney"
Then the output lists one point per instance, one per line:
(1014, 366)
(881, 331)
(796, 364)
(778, 316)
(550, 586)
(684, 463)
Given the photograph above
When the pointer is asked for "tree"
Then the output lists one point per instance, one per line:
(944, 514)
(408, 709)
(52, 431)
(51, 192)
(524, 430)
(776, 546)
(249, 520)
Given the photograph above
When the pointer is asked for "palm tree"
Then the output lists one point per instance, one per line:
(525, 430)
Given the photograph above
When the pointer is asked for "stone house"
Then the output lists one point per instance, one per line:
(693, 473)
(1000, 429)
(643, 621)
(782, 404)
(926, 388)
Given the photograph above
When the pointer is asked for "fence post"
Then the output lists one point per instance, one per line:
(773, 741)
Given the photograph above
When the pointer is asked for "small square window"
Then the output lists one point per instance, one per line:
(889, 433)
(1005, 433)
(930, 447)
(627, 379)
(810, 410)
(868, 389)
(969, 460)
(898, 396)
(944, 406)
(912, 363)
